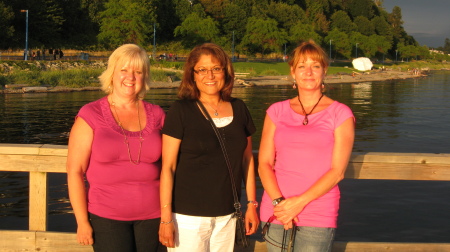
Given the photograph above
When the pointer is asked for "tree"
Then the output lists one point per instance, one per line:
(341, 42)
(196, 30)
(363, 8)
(234, 17)
(395, 19)
(126, 21)
(263, 35)
(286, 15)
(342, 22)
(364, 26)
(6, 28)
(303, 32)
(447, 46)
(383, 28)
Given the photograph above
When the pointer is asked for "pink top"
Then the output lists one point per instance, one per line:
(303, 155)
(118, 189)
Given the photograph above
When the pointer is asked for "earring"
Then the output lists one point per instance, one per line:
(294, 85)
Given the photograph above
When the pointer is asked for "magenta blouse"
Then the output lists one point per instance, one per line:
(118, 189)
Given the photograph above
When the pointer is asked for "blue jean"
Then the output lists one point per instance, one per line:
(125, 236)
(307, 239)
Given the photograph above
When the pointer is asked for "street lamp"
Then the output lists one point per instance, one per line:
(330, 48)
(154, 41)
(232, 49)
(356, 50)
(396, 55)
(26, 34)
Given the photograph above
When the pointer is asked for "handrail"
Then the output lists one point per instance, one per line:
(40, 159)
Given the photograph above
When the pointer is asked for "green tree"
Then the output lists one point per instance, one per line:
(383, 28)
(126, 21)
(382, 44)
(78, 29)
(363, 8)
(396, 21)
(364, 25)
(286, 15)
(446, 48)
(263, 35)
(341, 42)
(342, 22)
(196, 30)
(234, 17)
(303, 32)
(316, 11)
(365, 45)
(6, 27)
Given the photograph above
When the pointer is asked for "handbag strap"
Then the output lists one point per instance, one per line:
(237, 204)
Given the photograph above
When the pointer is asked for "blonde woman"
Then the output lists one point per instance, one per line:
(115, 143)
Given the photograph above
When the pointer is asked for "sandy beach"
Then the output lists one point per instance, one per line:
(375, 75)
(370, 76)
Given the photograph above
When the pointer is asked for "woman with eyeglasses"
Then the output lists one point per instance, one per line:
(196, 190)
(305, 147)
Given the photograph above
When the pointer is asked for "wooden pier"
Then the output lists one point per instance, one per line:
(39, 160)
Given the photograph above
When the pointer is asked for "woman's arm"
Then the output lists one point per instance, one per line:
(248, 165)
(170, 148)
(79, 152)
(266, 160)
(344, 136)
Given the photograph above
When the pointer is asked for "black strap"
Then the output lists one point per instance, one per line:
(237, 204)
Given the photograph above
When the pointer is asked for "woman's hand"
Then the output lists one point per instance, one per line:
(167, 234)
(287, 210)
(251, 219)
(84, 234)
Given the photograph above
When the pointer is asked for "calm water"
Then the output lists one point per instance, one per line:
(395, 116)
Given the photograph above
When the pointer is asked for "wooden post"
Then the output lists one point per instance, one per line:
(38, 201)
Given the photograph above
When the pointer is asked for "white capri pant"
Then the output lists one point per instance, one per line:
(204, 234)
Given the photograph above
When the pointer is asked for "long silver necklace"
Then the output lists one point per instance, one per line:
(216, 113)
(141, 139)
(306, 121)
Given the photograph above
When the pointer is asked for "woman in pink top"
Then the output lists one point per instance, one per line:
(115, 143)
(305, 148)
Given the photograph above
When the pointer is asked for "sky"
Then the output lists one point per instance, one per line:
(428, 21)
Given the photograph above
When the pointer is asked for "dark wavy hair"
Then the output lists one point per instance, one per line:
(188, 89)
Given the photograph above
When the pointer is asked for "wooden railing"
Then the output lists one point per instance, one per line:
(39, 160)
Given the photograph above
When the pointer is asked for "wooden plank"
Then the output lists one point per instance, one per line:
(53, 150)
(389, 157)
(38, 201)
(16, 240)
(396, 171)
(339, 246)
(59, 241)
(17, 149)
(28, 163)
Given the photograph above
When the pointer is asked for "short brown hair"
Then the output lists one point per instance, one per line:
(188, 89)
(312, 50)
(137, 57)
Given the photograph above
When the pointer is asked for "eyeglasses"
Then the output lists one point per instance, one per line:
(204, 71)
(284, 245)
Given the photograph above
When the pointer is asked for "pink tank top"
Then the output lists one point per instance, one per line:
(303, 155)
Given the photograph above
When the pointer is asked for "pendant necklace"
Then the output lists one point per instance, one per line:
(137, 161)
(215, 110)
(306, 121)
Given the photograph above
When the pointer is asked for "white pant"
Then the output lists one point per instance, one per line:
(204, 234)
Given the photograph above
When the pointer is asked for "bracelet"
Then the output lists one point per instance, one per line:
(162, 222)
(166, 205)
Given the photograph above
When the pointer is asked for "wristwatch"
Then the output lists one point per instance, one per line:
(277, 201)
(254, 202)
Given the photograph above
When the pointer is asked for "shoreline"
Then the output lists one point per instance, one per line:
(356, 77)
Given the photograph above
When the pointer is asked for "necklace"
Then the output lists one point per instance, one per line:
(215, 110)
(137, 161)
(305, 121)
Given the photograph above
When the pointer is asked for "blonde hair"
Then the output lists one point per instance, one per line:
(136, 56)
(309, 49)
